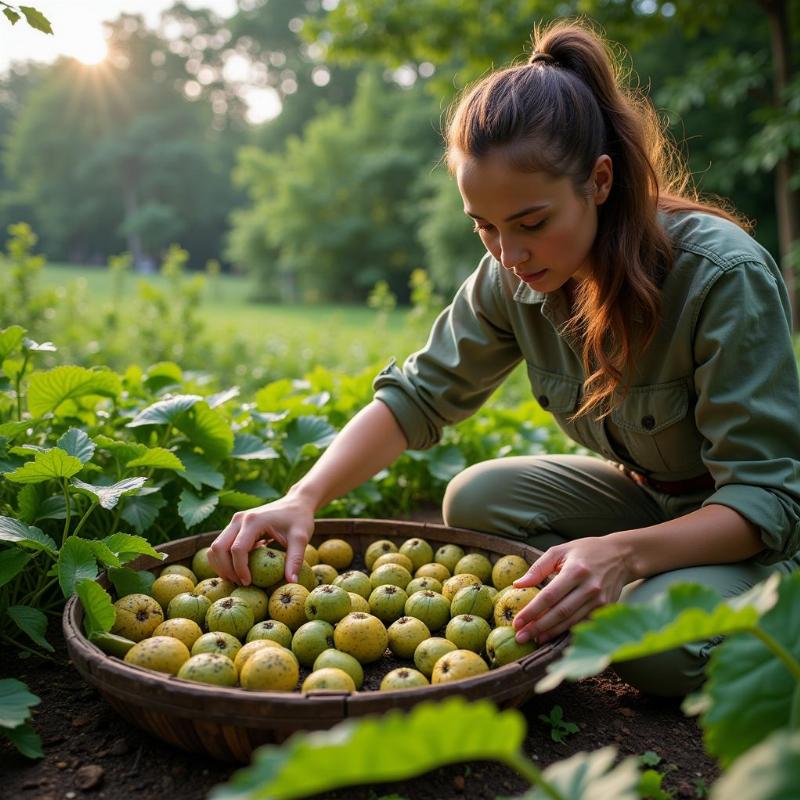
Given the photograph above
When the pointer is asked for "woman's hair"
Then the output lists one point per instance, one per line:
(557, 114)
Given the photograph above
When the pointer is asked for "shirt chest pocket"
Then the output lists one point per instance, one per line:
(557, 394)
(657, 429)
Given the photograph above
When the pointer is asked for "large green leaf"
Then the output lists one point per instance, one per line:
(141, 511)
(108, 496)
(164, 373)
(207, 429)
(199, 472)
(26, 740)
(13, 429)
(75, 562)
(371, 750)
(97, 605)
(194, 509)
(10, 340)
(127, 547)
(249, 447)
(124, 451)
(219, 398)
(16, 702)
(126, 581)
(444, 462)
(55, 507)
(47, 390)
(157, 457)
(302, 431)
(12, 530)
(239, 500)
(32, 622)
(77, 443)
(102, 553)
(36, 19)
(164, 411)
(29, 498)
(52, 464)
(12, 562)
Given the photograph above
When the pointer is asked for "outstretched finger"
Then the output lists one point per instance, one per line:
(249, 533)
(219, 556)
(545, 565)
(295, 553)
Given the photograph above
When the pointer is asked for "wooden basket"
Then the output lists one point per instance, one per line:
(229, 723)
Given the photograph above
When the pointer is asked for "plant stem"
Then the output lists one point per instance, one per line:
(69, 512)
(88, 511)
(30, 650)
(18, 382)
(779, 651)
(525, 767)
(41, 591)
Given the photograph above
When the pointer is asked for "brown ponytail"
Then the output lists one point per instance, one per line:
(557, 114)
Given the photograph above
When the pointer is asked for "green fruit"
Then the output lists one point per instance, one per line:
(378, 548)
(512, 601)
(311, 639)
(387, 603)
(273, 669)
(437, 571)
(403, 678)
(178, 569)
(507, 569)
(248, 650)
(430, 607)
(159, 653)
(256, 598)
(214, 588)
(476, 600)
(186, 630)
(307, 579)
(458, 665)
(502, 647)
(429, 652)
(266, 566)
(168, 586)
(467, 632)
(355, 581)
(474, 564)
(336, 552)
(311, 555)
(230, 615)
(405, 634)
(189, 606)
(212, 668)
(329, 603)
(271, 629)
(418, 550)
(394, 558)
(336, 658)
(112, 644)
(328, 678)
(362, 636)
(200, 565)
(221, 643)
(449, 555)
(358, 603)
(390, 574)
(136, 616)
(420, 584)
(288, 605)
(324, 573)
(452, 585)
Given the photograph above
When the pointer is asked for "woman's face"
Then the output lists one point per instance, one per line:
(533, 224)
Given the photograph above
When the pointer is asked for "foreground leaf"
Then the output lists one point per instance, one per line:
(194, 510)
(77, 443)
(199, 472)
(47, 390)
(50, 464)
(32, 622)
(141, 511)
(164, 411)
(10, 339)
(97, 606)
(15, 702)
(157, 457)
(26, 740)
(127, 547)
(126, 581)
(108, 496)
(249, 447)
(303, 431)
(12, 562)
(207, 429)
(12, 530)
(75, 562)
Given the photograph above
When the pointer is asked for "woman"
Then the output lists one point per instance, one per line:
(653, 327)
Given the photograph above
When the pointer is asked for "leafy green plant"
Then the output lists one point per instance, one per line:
(15, 711)
(560, 729)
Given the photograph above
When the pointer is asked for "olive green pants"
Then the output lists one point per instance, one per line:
(548, 500)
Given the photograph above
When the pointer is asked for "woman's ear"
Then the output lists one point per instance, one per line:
(602, 178)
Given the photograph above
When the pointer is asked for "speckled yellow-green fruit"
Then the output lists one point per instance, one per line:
(310, 639)
(336, 552)
(493, 593)
(431, 608)
(403, 678)
(394, 558)
(355, 581)
(501, 592)
(449, 555)
(221, 643)
(328, 678)
(418, 550)
(329, 603)
(214, 588)
(502, 647)
(136, 616)
(358, 603)
(178, 569)
(230, 615)
(468, 632)
(168, 586)
(378, 548)
(393, 574)
(507, 569)
(311, 555)
(272, 669)
(475, 600)
(512, 601)
(433, 570)
(324, 573)
(336, 658)
(256, 598)
(421, 584)
(387, 603)
(250, 648)
(452, 585)
(474, 564)
(213, 668)
(429, 652)
(159, 653)
(288, 605)
(458, 665)
(186, 630)
(271, 629)
(307, 579)
(405, 634)
(189, 606)
(266, 566)
(362, 636)
(200, 565)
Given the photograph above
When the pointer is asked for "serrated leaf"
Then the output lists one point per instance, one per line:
(26, 740)
(77, 443)
(124, 451)
(307, 430)
(11, 337)
(13, 17)
(52, 464)
(102, 553)
(12, 530)
(164, 411)
(13, 429)
(108, 496)
(29, 498)
(29, 449)
(75, 562)
(12, 562)
(207, 429)
(249, 447)
(97, 606)
(36, 19)
(33, 623)
(157, 457)
(141, 511)
(199, 472)
(239, 500)
(128, 581)
(47, 390)
(16, 702)
(127, 547)
(219, 398)
(371, 750)
(194, 509)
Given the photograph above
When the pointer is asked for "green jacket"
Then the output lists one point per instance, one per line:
(716, 391)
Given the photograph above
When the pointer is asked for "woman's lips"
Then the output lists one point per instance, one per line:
(530, 277)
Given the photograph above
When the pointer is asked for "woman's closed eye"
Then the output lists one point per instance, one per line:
(477, 227)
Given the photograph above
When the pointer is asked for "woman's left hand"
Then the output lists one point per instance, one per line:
(589, 573)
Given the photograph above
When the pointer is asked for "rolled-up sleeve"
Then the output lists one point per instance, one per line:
(470, 350)
(748, 403)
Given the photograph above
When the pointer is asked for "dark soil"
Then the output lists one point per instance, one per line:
(92, 752)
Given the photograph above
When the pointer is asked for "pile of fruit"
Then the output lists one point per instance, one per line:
(449, 613)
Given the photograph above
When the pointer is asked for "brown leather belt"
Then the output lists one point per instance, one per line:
(688, 486)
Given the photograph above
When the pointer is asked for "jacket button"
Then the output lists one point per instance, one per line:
(648, 423)
(544, 400)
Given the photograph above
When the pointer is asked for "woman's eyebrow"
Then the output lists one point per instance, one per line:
(515, 215)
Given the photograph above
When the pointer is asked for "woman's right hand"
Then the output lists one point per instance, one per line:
(289, 521)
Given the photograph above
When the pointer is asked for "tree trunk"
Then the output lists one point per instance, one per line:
(131, 200)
